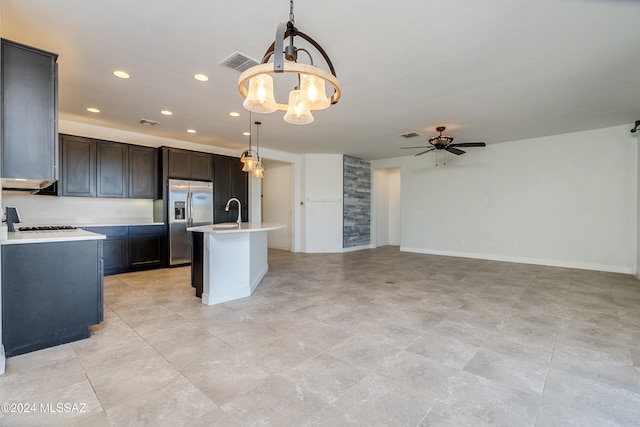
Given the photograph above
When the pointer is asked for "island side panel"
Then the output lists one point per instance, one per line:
(259, 265)
(197, 262)
(227, 272)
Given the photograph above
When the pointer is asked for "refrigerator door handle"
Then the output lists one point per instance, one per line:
(190, 209)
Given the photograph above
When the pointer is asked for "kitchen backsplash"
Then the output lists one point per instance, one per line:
(64, 210)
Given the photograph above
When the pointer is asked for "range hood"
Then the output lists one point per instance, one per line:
(24, 185)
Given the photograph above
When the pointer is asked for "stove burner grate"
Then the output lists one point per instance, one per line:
(48, 228)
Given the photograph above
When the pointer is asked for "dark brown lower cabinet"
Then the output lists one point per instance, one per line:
(132, 248)
(146, 247)
(51, 293)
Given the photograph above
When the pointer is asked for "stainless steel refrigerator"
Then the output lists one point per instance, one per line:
(190, 205)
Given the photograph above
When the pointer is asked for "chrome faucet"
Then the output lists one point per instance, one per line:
(226, 208)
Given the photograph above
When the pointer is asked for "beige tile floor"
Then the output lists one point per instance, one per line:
(369, 338)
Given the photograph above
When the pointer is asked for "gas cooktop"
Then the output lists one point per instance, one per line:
(47, 228)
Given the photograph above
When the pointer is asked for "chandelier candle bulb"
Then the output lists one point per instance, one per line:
(260, 98)
(298, 112)
(312, 90)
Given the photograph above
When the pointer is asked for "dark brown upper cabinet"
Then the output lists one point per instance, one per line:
(143, 172)
(113, 169)
(185, 164)
(96, 168)
(78, 176)
(229, 182)
(29, 113)
(201, 166)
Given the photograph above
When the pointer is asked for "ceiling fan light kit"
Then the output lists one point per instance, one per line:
(310, 93)
(443, 142)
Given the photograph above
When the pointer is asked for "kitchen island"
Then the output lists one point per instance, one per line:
(52, 289)
(229, 259)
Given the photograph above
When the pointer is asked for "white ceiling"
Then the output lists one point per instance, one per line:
(492, 70)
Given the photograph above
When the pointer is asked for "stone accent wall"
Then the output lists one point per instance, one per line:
(356, 217)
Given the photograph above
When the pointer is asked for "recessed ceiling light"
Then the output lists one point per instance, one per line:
(201, 77)
(93, 110)
(166, 112)
(121, 74)
(245, 133)
(191, 130)
(234, 114)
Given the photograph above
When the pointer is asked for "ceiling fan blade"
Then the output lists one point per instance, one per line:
(421, 146)
(454, 150)
(430, 149)
(469, 144)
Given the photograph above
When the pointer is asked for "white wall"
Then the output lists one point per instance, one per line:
(638, 210)
(66, 210)
(323, 201)
(567, 200)
(255, 191)
(395, 206)
(380, 192)
(277, 202)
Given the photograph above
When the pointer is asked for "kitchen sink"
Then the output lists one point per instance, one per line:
(225, 225)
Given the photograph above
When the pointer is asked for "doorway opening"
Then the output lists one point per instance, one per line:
(387, 206)
(277, 202)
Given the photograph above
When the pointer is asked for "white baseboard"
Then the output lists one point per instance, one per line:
(259, 278)
(524, 260)
(280, 247)
(357, 248)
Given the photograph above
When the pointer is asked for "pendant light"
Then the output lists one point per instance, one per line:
(247, 158)
(258, 170)
(310, 94)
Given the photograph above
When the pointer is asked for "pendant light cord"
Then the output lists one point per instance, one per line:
(291, 17)
(258, 139)
(249, 132)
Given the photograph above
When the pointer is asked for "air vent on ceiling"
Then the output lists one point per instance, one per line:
(148, 122)
(239, 61)
(409, 135)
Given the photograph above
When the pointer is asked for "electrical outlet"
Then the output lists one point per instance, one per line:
(43, 213)
(489, 244)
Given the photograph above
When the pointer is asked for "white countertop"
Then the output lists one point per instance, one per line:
(232, 227)
(87, 222)
(117, 224)
(20, 237)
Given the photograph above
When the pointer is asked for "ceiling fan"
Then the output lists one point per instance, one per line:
(442, 142)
